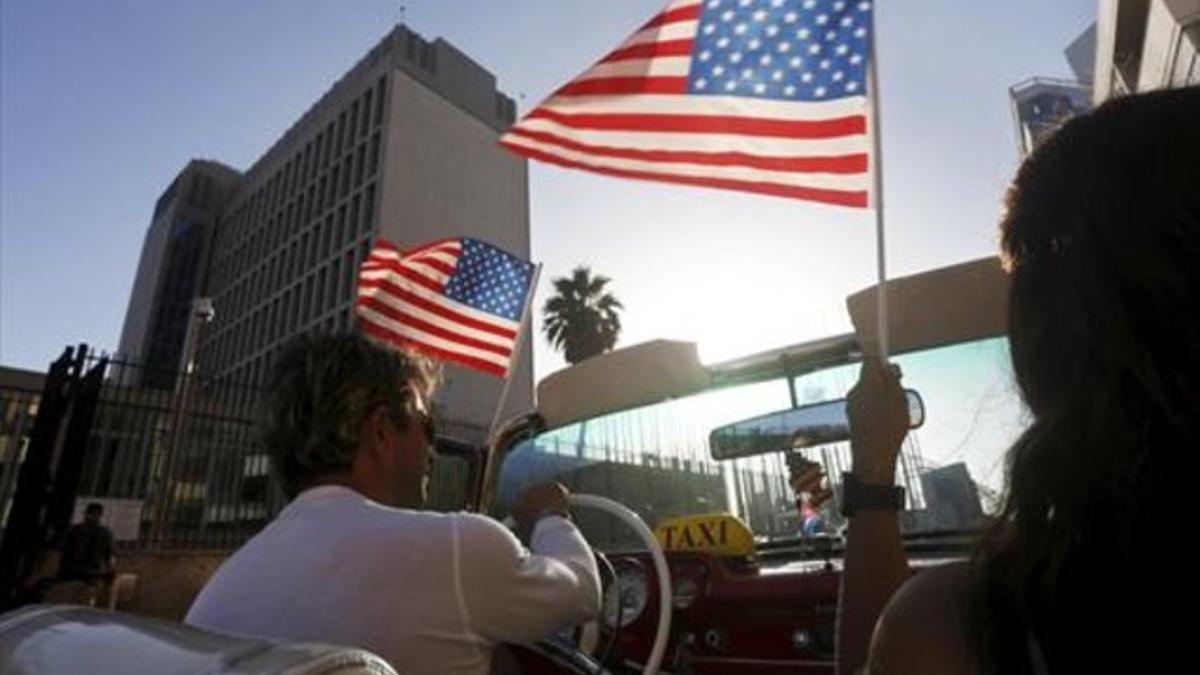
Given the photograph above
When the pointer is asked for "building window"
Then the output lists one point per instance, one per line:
(368, 221)
(348, 290)
(365, 124)
(352, 134)
(373, 157)
(272, 321)
(359, 164)
(345, 177)
(306, 313)
(355, 206)
(325, 152)
(327, 237)
(342, 238)
(293, 306)
(293, 263)
(313, 254)
(332, 291)
(379, 90)
(341, 133)
(319, 303)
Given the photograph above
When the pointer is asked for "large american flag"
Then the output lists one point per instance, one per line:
(456, 299)
(765, 96)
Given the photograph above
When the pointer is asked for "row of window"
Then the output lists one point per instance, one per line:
(319, 199)
(286, 257)
(273, 310)
(337, 158)
(287, 264)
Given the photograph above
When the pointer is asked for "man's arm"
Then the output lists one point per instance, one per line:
(511, 594)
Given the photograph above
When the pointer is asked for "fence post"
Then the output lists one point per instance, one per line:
(25, 533)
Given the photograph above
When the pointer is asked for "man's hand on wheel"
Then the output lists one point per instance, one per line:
(536, 502)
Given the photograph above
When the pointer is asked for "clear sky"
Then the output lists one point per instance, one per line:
(101, 103)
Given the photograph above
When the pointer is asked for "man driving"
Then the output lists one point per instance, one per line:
(352, 561)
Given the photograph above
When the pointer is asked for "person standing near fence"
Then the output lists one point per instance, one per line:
(87, 564)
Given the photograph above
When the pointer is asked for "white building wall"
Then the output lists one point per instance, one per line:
(445, 175)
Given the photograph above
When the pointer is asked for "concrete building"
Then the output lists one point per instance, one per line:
(171, 269)
(1143, 45)
(1040, 105)
(403, 146)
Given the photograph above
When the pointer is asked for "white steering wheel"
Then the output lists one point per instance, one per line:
(635, 522)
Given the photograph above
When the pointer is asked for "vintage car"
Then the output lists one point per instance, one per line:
(706, 457)
(710, 493)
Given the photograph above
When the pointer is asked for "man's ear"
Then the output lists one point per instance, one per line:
(375, 431)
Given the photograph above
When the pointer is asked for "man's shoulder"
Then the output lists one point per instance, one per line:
(477, 531)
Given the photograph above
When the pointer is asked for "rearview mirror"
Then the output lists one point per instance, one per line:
(794, 429)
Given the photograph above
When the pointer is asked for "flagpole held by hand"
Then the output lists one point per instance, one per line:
(537, 273)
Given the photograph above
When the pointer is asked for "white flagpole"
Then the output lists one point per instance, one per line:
(518, 347)
(882, 327)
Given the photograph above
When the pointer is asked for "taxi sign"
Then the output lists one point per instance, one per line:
(719, 533)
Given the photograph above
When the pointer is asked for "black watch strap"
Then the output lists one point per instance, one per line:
(857, 496)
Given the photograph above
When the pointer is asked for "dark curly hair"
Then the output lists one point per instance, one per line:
(1102, 239)
(319, 392)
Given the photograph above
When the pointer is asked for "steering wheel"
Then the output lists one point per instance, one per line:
(663, 574)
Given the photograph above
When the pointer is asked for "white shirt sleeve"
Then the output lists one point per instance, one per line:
(509, 594)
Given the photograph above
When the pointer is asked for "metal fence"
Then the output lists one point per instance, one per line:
(18, 410)
(176, 458)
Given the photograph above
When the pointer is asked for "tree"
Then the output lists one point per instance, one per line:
(581, 319)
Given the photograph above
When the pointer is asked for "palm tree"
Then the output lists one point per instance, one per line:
(581, 318)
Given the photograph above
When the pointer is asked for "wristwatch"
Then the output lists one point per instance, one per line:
(858, 496)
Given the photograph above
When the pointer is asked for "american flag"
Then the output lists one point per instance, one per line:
(765, 96)
(456, 299)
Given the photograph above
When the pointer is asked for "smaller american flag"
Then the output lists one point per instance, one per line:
(458, 299)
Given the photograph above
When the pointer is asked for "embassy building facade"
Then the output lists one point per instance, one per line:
(403, 146)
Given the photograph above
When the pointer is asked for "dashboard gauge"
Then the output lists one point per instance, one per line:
(628, 595)
(684, 590)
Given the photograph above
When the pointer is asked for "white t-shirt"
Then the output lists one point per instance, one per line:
(429, 592)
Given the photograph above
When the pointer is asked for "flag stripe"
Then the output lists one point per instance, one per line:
(472, 317)
(708, 105)
(388, 287)
(649, 50)
(670, 67)
(837, 164)
(443, 263)
(678, 30)
(841, 197)
(416, 276)
(753, 145)
(430, 272)
(386, 334)
(687, 12)
(738, 173)
(625, 85)
(423, 339)
(437, 329)
(708, 124)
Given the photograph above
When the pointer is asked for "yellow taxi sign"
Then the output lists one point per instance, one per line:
(718, 533)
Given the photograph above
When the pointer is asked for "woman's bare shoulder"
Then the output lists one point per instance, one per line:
(923, 628)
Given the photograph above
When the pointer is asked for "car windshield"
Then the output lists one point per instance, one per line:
(655, 459)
